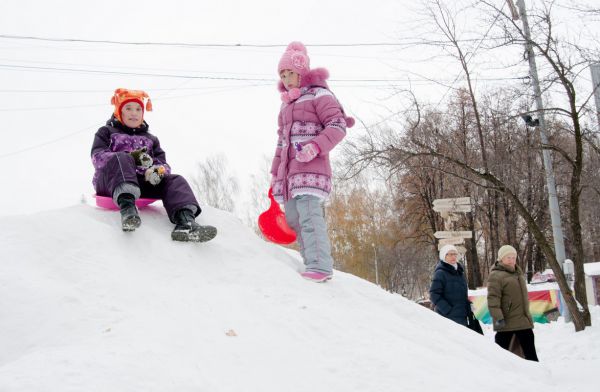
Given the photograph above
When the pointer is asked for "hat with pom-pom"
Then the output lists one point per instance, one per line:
(295, 58)
(122, 96)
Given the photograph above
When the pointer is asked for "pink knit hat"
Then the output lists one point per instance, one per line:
(295, 58)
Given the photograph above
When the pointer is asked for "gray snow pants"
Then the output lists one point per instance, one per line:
(304, 214)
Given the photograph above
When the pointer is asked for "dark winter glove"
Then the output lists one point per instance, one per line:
(499, 324)
(154, 174)
(142, 158)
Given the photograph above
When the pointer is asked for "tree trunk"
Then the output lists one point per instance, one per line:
(578, 253)
(474, 270)
(578, 317)
(529, 257)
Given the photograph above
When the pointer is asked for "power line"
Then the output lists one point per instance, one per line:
(407, 41)
(90, 91)
(28, 109)
(30, 67)
(137, 67)
(204, 77)
(162, 97)
(47, 143)
(37, 146)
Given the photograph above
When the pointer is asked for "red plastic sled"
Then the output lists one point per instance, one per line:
(273, 225)
(107, 202)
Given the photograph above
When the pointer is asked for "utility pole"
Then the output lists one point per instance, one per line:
(595, 69)
(557, 232)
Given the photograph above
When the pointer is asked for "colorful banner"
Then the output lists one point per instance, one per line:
(542, 305)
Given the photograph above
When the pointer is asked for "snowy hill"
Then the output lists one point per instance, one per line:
(85, 307)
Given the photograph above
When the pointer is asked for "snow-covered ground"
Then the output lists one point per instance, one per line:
(85, 307)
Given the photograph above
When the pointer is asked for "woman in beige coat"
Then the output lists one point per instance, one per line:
(508, 303)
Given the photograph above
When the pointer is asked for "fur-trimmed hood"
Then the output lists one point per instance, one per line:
(314, 78)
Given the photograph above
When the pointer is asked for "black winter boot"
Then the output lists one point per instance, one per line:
(130, 219)
(186, 228)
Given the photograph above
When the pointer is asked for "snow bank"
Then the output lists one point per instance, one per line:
(85, 307)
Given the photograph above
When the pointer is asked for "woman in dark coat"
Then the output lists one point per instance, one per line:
(449, 292)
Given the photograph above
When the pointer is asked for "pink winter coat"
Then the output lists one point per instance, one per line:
(317, 117)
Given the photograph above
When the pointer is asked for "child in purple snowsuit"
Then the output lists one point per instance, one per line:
(130, 164)
(311, 123)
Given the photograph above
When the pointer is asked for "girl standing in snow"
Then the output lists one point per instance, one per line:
(311, 123)
(130, 163)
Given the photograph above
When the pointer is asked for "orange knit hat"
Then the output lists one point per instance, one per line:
(123, 96)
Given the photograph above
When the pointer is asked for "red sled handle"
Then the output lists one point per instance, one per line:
(273, 225)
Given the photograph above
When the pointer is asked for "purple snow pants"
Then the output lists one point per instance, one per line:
(173, 190)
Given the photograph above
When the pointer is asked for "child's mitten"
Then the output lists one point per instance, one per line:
(154, 174)
(142, 158)
(307, 152)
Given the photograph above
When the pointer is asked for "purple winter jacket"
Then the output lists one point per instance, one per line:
(317, 117)
(115, 137)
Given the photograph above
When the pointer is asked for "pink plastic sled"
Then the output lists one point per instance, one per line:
(273, 225)
(107, 202)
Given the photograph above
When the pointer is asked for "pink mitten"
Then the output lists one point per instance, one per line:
(307, 152)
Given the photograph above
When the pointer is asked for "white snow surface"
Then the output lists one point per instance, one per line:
(86, 307)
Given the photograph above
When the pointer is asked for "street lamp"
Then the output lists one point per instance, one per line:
(376, 266)
(569, 270)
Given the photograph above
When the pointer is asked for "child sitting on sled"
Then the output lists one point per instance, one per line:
(129, 163)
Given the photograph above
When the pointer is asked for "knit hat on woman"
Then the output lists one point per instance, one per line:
(295, 58)
(505, 250)
(123, 96)
(445, 249)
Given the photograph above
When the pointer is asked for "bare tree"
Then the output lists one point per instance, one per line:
(507, 158)
(565, 61)
(214, 185)
(259, 186)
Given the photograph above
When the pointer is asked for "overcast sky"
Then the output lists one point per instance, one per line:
(207, 100)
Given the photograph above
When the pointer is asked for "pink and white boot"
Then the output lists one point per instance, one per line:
(315, 276)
